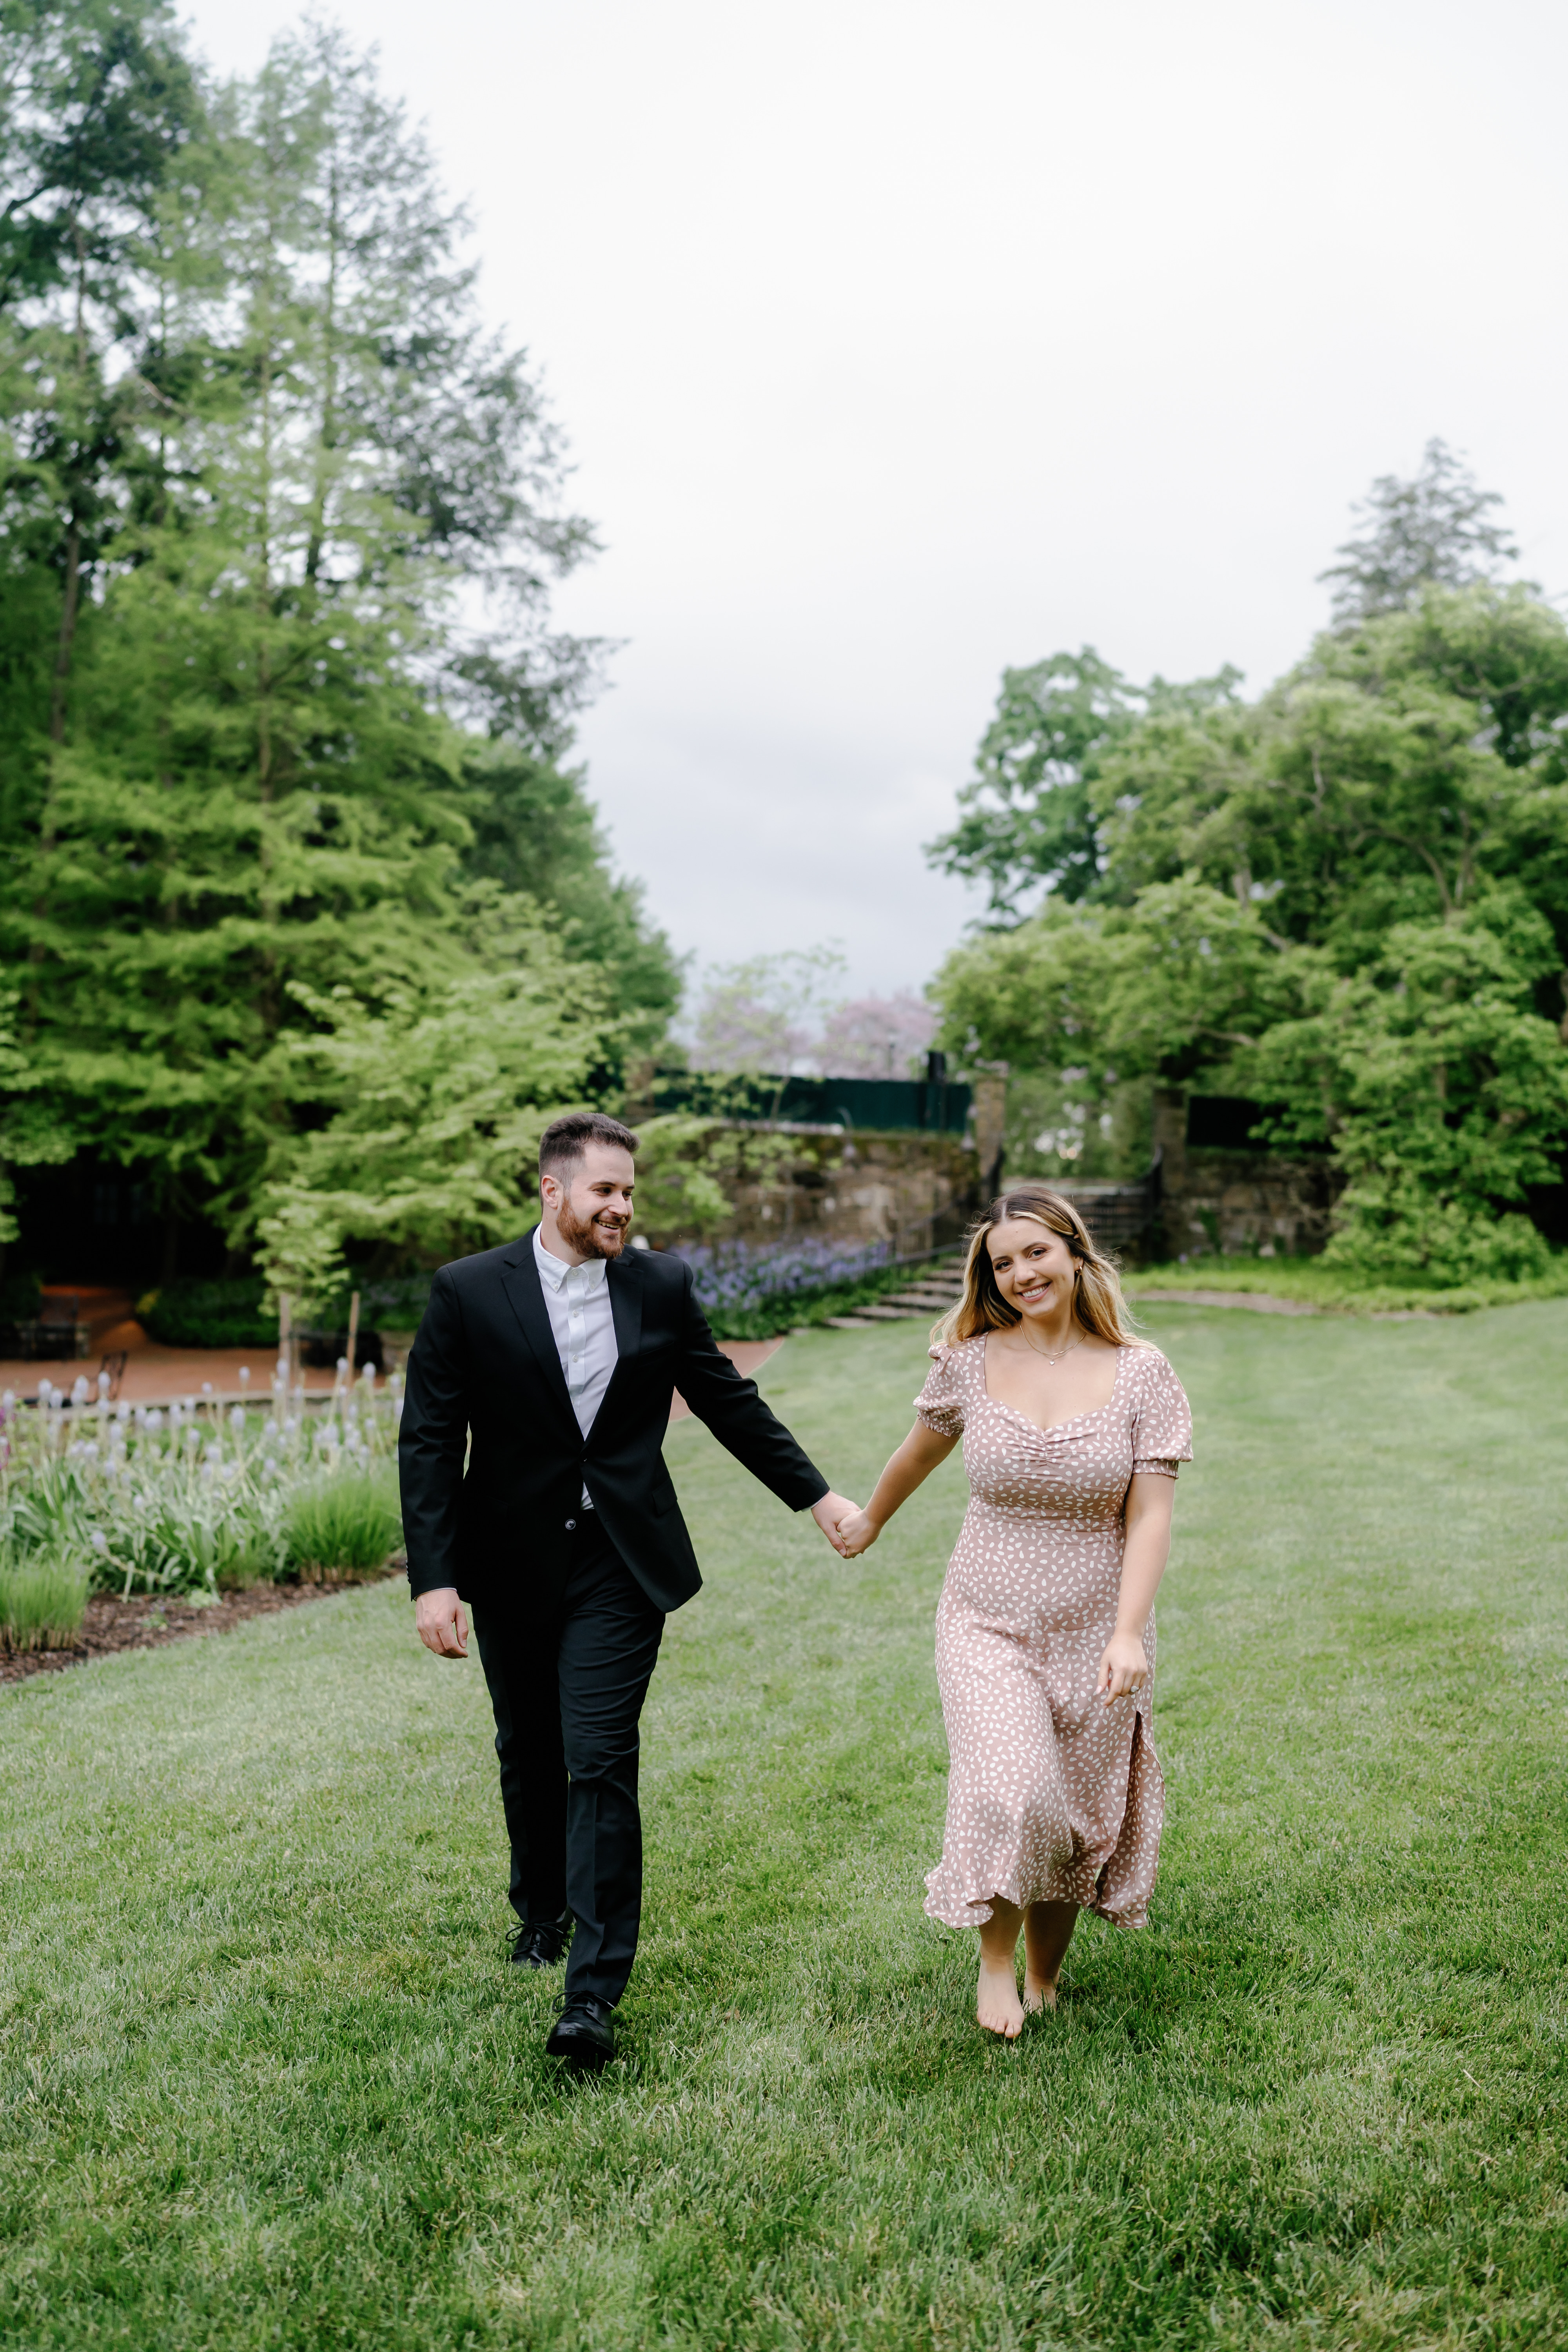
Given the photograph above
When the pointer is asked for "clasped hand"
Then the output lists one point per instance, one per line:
(858, 1534)
(832, 1513)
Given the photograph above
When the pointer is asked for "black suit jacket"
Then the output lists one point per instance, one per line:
(486, 1365)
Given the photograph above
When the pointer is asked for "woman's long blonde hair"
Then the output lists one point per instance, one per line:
(1097, 1287)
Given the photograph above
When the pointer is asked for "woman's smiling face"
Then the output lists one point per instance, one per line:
(1033, 1267)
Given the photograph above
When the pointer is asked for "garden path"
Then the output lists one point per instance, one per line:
(157, 1375)
(153, 1374)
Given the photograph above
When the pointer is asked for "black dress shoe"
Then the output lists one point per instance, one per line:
(583, 2033)
(541, 1943)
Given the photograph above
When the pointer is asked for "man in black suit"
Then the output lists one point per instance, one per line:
(551, 1363)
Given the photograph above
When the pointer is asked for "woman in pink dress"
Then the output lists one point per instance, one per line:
(1072, 1429)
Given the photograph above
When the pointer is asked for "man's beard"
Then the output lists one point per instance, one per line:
(592, 1239)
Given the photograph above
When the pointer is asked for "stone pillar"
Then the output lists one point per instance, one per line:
(1171, 1236)
(989, 1097)
(1171, 1136)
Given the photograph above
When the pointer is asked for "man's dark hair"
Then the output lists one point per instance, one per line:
(565, 1141)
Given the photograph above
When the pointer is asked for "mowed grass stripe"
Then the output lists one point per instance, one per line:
(268, 2080)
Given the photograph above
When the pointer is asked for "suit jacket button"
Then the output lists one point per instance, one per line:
(570, 1525)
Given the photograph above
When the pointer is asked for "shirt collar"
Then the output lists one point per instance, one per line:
(554, 1270)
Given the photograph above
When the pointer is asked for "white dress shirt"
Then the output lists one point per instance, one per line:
(578, 1299)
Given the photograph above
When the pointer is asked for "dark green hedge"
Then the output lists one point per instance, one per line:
(189, 1313)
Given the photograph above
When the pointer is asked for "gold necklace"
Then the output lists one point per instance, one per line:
(1060, 1351)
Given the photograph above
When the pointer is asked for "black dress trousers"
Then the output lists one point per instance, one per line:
(568, 1684)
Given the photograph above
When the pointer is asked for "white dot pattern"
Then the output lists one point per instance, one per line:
(1053, 1797)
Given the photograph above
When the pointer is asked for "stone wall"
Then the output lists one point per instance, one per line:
(909, 1190)
(1240, 1203)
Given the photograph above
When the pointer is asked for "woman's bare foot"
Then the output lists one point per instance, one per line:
(1047, 1932)
(997, 2003)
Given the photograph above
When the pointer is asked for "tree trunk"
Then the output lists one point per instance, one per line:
(68, 633)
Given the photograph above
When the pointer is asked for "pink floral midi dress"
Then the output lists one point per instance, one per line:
(1053, 1797)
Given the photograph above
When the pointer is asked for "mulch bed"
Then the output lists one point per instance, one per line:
(147, 1621)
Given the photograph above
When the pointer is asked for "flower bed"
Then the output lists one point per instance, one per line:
(197, 1499)
(748, 1293)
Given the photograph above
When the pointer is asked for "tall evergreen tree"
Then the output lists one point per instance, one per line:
(1435, 530)
(262, 791)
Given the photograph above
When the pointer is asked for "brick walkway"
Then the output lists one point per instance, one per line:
(152, 1375)
(155, 1375)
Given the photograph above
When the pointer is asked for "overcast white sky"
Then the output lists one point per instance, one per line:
(898, 343)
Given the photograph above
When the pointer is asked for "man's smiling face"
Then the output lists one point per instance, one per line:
(592, 1206)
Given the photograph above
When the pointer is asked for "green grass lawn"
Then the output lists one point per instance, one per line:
(268, 2083)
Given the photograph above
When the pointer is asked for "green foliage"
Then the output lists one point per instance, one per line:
(201, 1498)
(1443, 1093)
(32, 1132)
(1434, 530)
(225, 1314)
(437, 1103)
(1178, 979)
(1348, 899)
(1074, 1122)
(344, 1525)
(252, 752)
(43, 1601)
(1032, 812)
(535, 835)
(690, 1171)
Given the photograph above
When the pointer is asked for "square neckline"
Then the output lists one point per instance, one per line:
(1049, 1428)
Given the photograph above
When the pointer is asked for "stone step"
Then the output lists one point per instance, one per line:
(848, 1323)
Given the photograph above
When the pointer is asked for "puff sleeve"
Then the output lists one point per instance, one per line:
(1162, 1419)
(940, 1404)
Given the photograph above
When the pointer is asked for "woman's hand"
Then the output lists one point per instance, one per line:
(1124, 1669)
(857, 1535)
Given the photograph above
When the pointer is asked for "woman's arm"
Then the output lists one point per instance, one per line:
(915, 1460)
(1149, 1501)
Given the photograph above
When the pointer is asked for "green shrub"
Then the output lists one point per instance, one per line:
(20, 1299)
(209, 1314)
(42, 1603)
(344, 1525)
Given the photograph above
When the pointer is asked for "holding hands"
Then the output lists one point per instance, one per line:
(858, 1534)
(832, 1513)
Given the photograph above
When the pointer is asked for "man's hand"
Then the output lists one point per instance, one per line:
(443, 1623)
(829, 1513)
